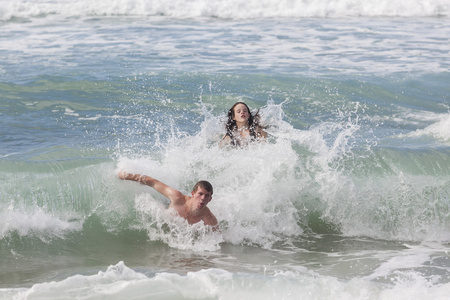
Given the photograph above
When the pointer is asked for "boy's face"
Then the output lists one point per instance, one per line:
(201, 197)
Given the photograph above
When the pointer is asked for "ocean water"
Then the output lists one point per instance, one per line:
(347, 199)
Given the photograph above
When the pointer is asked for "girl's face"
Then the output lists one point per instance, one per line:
(241, 114)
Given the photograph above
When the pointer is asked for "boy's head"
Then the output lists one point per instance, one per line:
(204, 185)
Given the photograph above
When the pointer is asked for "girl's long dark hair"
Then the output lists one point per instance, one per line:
(253, 122)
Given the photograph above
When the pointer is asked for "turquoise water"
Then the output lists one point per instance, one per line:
(347, 199)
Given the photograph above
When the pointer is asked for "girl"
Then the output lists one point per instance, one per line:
(242, 127)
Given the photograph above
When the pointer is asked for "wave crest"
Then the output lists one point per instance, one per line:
(233, 9)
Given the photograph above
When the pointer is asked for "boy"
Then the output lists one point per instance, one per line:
(192, 208)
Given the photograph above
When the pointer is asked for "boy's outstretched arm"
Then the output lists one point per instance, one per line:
(172, 194)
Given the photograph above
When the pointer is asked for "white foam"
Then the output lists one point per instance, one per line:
(71, 112)
(354, 46)
(163, 224)
(120, 282)
(234, 9)
(256, 197)
(267, 191)
(36, 221)
(439, 129)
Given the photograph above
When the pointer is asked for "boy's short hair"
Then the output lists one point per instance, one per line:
(204, 185)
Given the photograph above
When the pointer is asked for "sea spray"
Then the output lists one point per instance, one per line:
(317, 177)
(162, 224)
(326, 177)
(257, 200)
